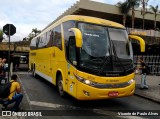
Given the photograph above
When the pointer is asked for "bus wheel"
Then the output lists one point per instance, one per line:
(60, 86)
(34, 72)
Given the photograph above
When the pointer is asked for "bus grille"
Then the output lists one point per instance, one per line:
(119, 85)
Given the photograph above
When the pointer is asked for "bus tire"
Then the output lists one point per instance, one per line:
(60, 86)
(34, 71)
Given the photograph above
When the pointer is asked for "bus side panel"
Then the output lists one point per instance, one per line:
(43, 62)
(58, 63)
(32, 58)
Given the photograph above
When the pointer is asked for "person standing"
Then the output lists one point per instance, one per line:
(143, 68)
(4, 67)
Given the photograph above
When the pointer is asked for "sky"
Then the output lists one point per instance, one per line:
(28, 14)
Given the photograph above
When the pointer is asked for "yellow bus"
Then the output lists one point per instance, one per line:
(89, 58)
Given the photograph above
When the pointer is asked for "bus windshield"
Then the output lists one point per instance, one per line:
(121, 43)
(105, 49)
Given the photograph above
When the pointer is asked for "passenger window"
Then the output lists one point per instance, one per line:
(57, 40)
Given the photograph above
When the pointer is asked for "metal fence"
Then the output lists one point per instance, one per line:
(152, 61)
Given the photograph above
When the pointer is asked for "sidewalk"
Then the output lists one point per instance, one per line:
(153, 92)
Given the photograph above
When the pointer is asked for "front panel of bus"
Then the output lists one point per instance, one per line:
(103, 66)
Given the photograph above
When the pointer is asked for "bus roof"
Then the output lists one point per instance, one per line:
(83, 19)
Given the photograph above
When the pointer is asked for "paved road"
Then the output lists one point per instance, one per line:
(43, 96)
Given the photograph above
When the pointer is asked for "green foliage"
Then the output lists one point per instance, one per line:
(33, 34)
(155, 10)
(35, 31)
(124, 7)
(133, 3)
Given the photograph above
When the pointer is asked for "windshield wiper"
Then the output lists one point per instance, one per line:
(96, 59)
(105, 62)
(111, 60)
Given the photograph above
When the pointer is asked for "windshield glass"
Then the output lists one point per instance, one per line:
(120, 41)
(95, 41)
(104, 49)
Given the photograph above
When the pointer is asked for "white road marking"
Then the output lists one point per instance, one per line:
(22, 73)
(44, 104)
(131, 117)
(51, 105)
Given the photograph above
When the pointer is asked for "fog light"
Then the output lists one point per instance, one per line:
(86, 93)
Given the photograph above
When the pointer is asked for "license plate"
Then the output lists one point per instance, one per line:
(113, 94)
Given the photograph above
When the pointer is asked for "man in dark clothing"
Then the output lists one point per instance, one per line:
(144, 74)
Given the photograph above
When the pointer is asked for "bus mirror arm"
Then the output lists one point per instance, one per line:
(141, 41)
(78, 36)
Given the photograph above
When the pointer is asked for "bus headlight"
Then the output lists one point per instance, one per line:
(85, 81)
(131, 81)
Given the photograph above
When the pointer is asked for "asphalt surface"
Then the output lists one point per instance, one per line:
(42, 95)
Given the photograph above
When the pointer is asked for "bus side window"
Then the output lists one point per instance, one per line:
(37, 42)
(57, 40)
(72, 49)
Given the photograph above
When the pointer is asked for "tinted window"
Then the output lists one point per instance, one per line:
(72, 49)
(42, 41)
(33, 44)
(57, 41)
(67, 25)
(49, 38)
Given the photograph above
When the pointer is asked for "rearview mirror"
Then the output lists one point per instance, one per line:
(78, 36)
(141, 41)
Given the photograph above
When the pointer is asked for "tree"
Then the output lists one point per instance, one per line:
(124, 9)
(133, 4)
(33, 34)
(30, 36)
(155, 10)
(35, 31)
(1, 35)
(144, 10)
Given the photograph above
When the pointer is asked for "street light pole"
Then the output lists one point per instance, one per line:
(9, 56)
(9, 29)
